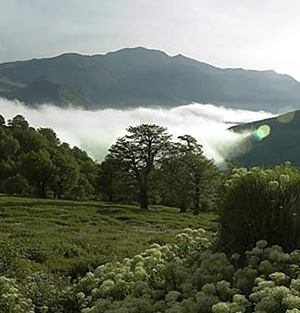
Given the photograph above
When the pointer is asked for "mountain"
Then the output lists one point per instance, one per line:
(47, 89)
(280, 145)
(142, 77)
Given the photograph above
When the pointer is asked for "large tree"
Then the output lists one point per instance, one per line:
(139, 150)
(188, 176)
(38, 169)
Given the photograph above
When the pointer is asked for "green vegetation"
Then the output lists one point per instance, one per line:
(138, 151)
(71, 237)
(35, 163)
(45, 243)
(148, 161)
(261, 204)
(233, 248)
(188, 278)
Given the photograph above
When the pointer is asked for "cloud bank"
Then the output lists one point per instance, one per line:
(96, 131)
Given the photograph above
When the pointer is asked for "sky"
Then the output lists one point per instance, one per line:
(256, 34)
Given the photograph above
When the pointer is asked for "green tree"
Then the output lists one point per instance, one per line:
(18, 122)
(88, 167)
(8, 145)
(2, 121)
(65, 172)
(139, 150)
(38, 169)
(16, 185)
(115, 183)
(50, 136)
(29, 140)
(189, 177)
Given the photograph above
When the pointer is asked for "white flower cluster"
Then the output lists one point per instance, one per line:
(184, 277)
(139, 275)
(11, 300)
(274, 178)
(160, 280)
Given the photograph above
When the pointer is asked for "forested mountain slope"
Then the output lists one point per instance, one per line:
(280, 145)
(141, 77)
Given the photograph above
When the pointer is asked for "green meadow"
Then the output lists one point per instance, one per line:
(71, 237)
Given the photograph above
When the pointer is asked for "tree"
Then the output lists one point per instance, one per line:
(115, 183)
(50, 136)
(18, 122)
(29, 140)
(8, 145)
(2, 121)
(38, 169)
(139, 150)
(188, 175)
(65, 172)
(16, 185)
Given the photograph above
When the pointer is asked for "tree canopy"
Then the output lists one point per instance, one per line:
(139, 150)
(144, 165)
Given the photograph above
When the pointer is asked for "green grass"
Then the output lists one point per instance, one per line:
(70, 237)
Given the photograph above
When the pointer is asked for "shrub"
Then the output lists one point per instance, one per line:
(261, 204)
(11, 300)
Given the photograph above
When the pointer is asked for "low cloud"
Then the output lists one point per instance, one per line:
(96, 131)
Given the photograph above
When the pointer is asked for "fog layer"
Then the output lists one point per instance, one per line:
(95, 131)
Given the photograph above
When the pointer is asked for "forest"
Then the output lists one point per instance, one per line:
(144, 166)
(155, 227)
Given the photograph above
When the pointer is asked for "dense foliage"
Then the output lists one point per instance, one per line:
(252, 265)
(184, 277)
(261, 204)
(152, 168)
(144, 166)
(188, 278)
(188, 178)
(138, 151)
(35, 162)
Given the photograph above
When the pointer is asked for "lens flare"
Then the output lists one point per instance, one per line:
(287, 117)
(262, 132)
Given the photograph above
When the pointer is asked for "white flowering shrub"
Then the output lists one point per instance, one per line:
(188, 278)
(11, 300)
(261, 204)
(155, 273)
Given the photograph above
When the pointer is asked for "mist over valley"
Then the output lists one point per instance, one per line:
(96, 131)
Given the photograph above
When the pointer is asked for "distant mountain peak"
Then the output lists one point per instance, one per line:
(140, 76)
(137, 53)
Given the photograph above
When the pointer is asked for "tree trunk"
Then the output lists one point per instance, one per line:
(144, 197)
(42, 190)
(197, 200)
(183, 205)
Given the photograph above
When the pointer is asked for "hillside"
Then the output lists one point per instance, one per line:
(282, 144)
(143, 77)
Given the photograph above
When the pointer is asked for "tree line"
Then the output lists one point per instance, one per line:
(144, 166)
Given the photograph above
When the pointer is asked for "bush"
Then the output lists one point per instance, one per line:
(11, 300)
(16, 185)
(187, 278)
(183, 277)
(261, 204)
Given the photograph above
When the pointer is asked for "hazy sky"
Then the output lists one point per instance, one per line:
(258, 34)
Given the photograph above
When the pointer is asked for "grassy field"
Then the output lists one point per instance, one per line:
(70, 237)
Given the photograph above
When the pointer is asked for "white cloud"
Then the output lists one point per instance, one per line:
(95, 131)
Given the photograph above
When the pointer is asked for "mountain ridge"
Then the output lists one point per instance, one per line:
(281, 144)
(133, 77)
